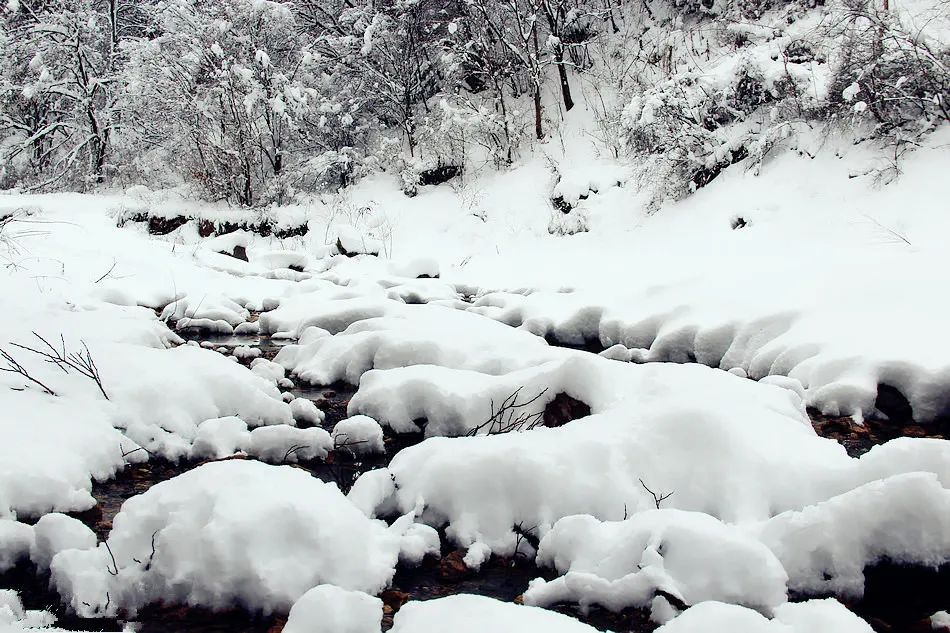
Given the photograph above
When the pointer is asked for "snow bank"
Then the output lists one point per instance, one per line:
(329, 609)
(477, 614)
(229, 533)
(622, 564)
(170, 392)
(402, 335)
(52, 449)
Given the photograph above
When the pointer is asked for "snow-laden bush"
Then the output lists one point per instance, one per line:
(890, 71)
(698, 123)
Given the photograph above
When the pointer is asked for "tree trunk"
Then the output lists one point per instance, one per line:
(537, 113)
(562, 74)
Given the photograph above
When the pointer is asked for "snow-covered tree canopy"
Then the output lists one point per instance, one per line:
(255, 101)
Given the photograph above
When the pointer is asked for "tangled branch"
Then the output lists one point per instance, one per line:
(511, 415)
(80, 362)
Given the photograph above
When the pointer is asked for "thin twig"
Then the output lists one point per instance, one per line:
(657, 499)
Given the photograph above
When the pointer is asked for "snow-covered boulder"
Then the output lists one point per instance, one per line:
(225, 534)
(477, 614)
(212, 313)
(360, 434)
(281, 443)
(350, 241)
(56, 532)
(690, 555)
(814, 616)
(329, 609)
(825, 547)
(306, 412)
(16, 541)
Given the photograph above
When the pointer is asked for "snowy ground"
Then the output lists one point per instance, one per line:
(687, 483)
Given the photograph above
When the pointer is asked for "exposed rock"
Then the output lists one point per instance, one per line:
(453, 567)
(394, 598)
(564, 409)
(164, 226)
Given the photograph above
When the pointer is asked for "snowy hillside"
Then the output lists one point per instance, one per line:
(503, 315)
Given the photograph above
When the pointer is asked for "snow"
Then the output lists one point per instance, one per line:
(476, 614)
(281, 443)
(825, 547)
(16, 541)
(622, 564)
(56, 532)
(329, 609)
(717, 336)
(14, 618)
(360, 434)
(225, 533)
(305, 411)
(814, 616)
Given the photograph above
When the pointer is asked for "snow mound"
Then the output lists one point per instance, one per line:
(401, 335)
(350, 241)
(814, 616)
(477, 614)
(359, 434)
(215, 313)
(306, 412)
(825, 547)
(751, 451)
(274, 260)
(418, 267)
(329, 609)
(57, 532)
(16, 541)
(281, 443)
(38, 475)
(14, 618)
(690, 555)
(229, 533)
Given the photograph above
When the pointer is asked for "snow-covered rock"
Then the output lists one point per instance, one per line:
(690, 555)
(360, 434)
(56, 532)
(306, 412)
(814, 616)
(281, 443)
(226, 533)
(329, 609)
(16, 541)
(477, 614)
(825, 547)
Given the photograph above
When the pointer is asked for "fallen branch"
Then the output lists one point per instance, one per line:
(15, 367)
(80, 362)
(510, 415)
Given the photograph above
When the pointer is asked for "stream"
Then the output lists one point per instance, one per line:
(895, 600)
